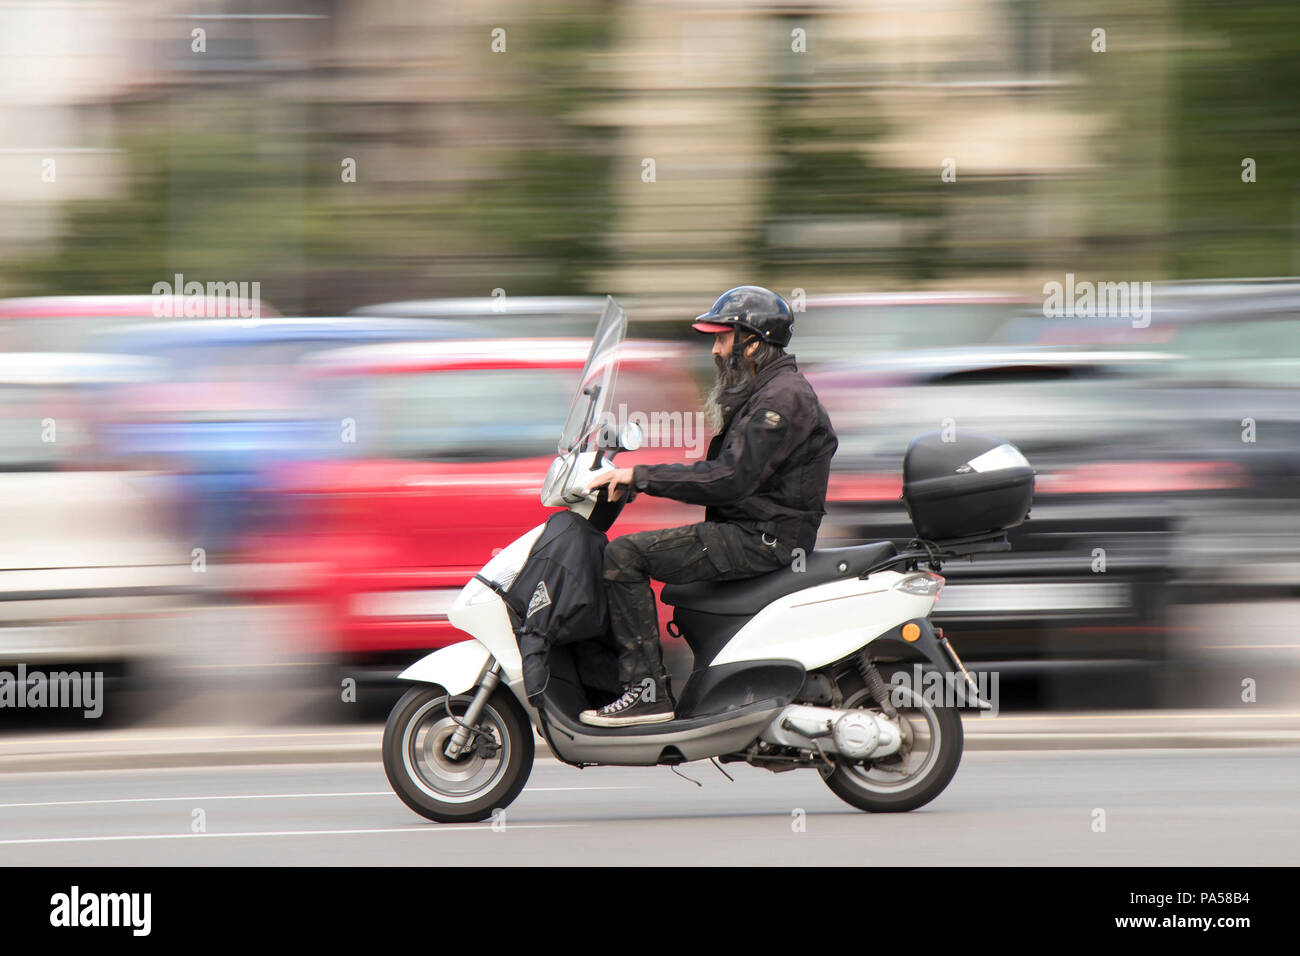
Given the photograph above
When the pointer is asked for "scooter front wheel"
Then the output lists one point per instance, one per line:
(487, 776)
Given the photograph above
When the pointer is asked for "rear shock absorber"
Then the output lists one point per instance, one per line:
(875, 683)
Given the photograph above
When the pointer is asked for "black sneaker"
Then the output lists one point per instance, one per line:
(636, 706)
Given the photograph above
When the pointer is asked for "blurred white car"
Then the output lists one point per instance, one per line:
(86, 556)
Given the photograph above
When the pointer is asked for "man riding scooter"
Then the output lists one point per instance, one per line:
(763, 485)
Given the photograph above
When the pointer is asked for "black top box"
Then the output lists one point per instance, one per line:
(971, 485)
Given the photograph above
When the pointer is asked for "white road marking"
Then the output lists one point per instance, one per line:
(263, 796)
(424, 828)
(236, 796)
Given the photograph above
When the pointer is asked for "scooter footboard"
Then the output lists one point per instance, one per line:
(673, 742)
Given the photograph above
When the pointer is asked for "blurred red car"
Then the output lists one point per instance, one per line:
(442, 450)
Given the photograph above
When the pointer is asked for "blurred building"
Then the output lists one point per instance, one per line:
(642, 147)
(61, 66)
(645, 147)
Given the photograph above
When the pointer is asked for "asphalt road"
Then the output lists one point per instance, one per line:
(1207, 807)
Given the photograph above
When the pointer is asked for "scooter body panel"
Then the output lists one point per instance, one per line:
(480, 613)
(823, 624)
(455, 668)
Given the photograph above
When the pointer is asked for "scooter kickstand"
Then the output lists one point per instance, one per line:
(684, 777)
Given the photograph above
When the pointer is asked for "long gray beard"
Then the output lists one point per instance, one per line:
(726, 379)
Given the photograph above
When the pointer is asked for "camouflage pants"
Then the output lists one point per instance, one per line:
(708, 551)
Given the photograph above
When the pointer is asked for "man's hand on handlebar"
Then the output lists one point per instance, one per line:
(616, 478)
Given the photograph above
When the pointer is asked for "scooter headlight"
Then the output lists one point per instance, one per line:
(553, 485)
(922, 584)
(558, 488)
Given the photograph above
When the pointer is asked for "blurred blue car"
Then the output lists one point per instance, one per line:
(228, 406)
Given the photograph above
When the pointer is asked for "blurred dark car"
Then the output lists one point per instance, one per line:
(1236, 388)
(862, 325)
(1229, 392)
(1119, 470)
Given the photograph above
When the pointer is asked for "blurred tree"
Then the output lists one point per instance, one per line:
(225, 186)
(1235, 77)
(196, 202)
(824, 183)
(549, 202)
(237, 185)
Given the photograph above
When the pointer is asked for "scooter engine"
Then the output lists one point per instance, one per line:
(855, 734)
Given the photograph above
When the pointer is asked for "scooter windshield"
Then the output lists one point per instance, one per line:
(596, 387)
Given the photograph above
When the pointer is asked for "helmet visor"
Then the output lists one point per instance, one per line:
(711, 327)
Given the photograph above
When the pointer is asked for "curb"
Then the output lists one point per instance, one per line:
(230, 747)
(213, 747)
(1187, 741)
(126, 760)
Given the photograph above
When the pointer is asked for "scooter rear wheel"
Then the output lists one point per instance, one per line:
(487, 777)
(896, 785)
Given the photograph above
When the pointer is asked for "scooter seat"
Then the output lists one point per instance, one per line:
(751, 595)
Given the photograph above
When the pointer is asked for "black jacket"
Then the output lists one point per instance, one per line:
(768, 468)
(558, 599)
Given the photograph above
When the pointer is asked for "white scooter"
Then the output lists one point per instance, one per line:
(786, 671)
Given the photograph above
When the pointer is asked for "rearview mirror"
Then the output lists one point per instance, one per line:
(630, 437)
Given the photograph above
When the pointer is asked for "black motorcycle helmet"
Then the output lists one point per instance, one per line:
(751, 307)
